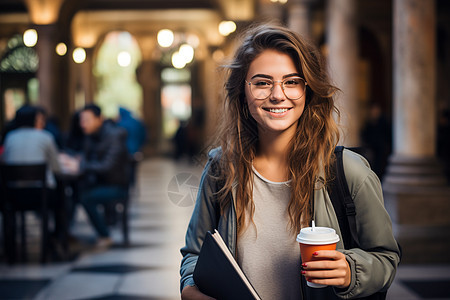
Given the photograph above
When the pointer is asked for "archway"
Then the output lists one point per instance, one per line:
(18, 83)
(115, 72)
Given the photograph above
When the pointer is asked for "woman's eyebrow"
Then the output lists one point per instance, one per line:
(291, 75)
(271, 77)
(262, 75)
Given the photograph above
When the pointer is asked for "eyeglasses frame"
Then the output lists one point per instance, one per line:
(282, 87)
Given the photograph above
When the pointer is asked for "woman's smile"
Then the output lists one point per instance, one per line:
(277, 112)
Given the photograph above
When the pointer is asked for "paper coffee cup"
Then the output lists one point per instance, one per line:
(315, 239)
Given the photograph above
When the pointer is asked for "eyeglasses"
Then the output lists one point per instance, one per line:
(293, 87)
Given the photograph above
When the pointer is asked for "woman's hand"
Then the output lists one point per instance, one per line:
(331, 269)
(193, 293)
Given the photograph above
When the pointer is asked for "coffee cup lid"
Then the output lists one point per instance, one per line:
(318, 236)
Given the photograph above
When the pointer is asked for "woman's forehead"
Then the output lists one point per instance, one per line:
(273, 63)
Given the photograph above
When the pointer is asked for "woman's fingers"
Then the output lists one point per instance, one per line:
(329, 254)
(331, 269)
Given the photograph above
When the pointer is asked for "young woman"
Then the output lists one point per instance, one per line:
(276, 143)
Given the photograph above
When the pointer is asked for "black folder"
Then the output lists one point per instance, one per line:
(217, 273)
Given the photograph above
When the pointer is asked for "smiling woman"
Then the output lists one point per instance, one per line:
(269, 178)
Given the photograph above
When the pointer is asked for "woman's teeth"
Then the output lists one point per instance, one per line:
(278, 110)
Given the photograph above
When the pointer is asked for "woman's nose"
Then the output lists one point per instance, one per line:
(277, 92)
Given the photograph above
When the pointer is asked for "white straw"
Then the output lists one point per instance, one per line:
(313, 225)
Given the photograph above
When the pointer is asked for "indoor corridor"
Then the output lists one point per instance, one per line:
(149, 269)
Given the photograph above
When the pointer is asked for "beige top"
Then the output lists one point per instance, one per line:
(267, 251)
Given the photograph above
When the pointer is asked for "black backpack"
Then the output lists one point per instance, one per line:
(345, 209)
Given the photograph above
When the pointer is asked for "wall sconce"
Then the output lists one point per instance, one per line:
(61, 49)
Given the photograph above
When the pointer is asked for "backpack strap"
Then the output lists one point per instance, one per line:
(342, 202)
(345, 209)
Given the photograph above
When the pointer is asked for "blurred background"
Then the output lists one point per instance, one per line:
(160, 60)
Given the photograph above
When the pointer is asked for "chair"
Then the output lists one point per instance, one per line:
(121, 204)
(23, 189)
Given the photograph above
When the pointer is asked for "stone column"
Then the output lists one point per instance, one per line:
(416, 193)
(148, 76)
(343, 65)
(149, 79)
(47, 71)
(45, 14)
(87, 76)
(299, 17)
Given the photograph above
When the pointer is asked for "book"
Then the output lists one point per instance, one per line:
(218, 275)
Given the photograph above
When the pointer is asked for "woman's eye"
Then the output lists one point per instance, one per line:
(262, 83)
(292, 82)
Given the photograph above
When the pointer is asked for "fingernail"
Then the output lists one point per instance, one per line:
(304, 265)
(303, 272)
(315, 253)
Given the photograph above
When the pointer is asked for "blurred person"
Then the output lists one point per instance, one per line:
(187, 138)
(268, 179)
(104, 165)
(74, 139)
(136, 133)
(376, 136)
(180, 140)
(29, 143)
(136, 137)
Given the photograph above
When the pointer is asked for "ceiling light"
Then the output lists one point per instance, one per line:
(227, 27)
(124, 59)
(30, 37)
(187, 52)
(178, 61)
(79, 55)
(165, 38)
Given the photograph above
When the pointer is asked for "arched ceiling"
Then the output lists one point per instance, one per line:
(89, 20)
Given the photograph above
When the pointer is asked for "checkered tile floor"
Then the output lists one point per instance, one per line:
(148, 269)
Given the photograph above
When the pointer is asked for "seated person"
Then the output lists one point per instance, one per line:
(104, 165)
(29, 143)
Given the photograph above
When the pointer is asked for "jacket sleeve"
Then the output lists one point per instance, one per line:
(204, 218)
(374, 265)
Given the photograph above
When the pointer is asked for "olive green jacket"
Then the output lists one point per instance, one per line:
(372, 267)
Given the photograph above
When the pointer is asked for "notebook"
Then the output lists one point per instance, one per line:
(218, 275)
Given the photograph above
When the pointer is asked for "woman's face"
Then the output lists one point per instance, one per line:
(276, 113)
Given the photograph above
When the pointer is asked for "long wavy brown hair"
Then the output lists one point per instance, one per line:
(311, 149)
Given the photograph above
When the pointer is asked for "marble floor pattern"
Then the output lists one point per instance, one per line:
(148, 269)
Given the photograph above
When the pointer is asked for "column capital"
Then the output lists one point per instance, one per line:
(44, 11)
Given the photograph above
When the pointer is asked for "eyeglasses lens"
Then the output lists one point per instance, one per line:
(293, 88)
